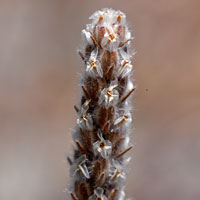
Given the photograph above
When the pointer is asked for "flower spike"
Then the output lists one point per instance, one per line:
(101, 135)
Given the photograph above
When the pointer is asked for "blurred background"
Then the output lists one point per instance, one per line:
(39, 75)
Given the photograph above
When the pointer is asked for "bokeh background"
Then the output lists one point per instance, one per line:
(39, 75)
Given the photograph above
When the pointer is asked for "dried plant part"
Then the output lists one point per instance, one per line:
(101, 136)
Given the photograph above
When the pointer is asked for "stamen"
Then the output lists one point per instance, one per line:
(126, 116)
(84, 117)
(93, 63)
(102, 145)
(111, 36)
(119, 17)
(109, 93)
(125, 62)
(100, 18)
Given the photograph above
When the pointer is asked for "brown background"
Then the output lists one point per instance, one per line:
(39, 75)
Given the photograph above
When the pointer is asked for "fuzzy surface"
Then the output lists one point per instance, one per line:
(101, 135)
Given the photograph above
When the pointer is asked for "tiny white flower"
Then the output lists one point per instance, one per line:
(98, 194)
(110, 38)
(85, 119)
(97, 16)
(124, 118)
(86, 37)
(116, 171)
(103, 147)
(120, 17)
(109, 95)
(80, 166)
(93, 66)
(126, 66)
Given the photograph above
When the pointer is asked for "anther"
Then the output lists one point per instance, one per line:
(111, 36)
(119, 17)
